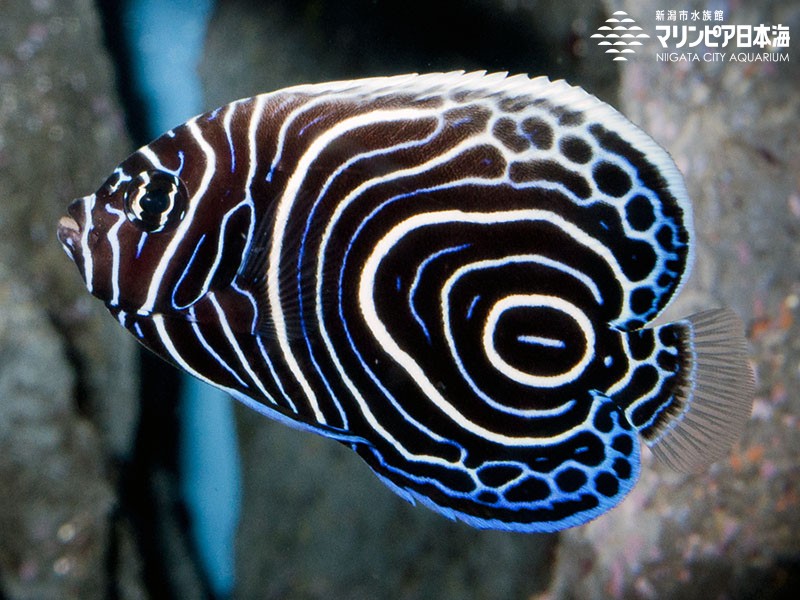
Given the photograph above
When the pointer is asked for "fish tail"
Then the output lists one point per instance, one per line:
(708, 397)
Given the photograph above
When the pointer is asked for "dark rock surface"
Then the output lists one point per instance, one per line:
(67, 372)
(62, 133)
(56, 500)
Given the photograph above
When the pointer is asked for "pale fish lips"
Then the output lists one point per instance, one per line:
(69, 229)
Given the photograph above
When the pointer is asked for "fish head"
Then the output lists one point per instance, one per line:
(162, 231)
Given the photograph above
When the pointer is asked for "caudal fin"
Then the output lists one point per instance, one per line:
(714, 395)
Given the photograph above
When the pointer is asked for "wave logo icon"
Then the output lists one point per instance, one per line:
(620, 33)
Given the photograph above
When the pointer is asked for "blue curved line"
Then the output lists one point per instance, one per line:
(302, 251)
(230, 146)
(140, 245)
(312, 122)
(392, 400)
(472, 306)
(185, 272)
(413, 289)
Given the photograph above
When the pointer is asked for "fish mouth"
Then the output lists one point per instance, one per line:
(68, 233)
(69, 229)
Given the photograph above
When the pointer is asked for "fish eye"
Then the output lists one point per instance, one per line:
(155, 201)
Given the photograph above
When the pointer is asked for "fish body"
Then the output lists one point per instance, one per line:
(451, 274)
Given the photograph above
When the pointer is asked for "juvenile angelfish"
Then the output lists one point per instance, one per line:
(452, 274)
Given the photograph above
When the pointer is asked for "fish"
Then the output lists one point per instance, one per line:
(453, 274)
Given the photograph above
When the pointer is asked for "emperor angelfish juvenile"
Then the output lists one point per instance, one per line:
(451, 274)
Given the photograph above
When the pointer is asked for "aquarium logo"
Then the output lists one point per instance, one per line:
(620, 33)
(682, 42)
(695, 36)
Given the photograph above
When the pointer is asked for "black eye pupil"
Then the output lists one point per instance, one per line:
(155, 202)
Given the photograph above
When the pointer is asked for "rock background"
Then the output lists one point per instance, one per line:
(315, 522)
(68, 384)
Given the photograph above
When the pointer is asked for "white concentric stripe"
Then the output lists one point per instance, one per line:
(192, 205)
(630, 366)
(387, 342)
(282, 214)
(375, 424)
(343, 205)
(537, 301)
(88, 265)
(113, 240)
(352, 196)
(356, 158)
(486, 138)
(252, 165)
(364, 156)
(230, 111)
(446, 312)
